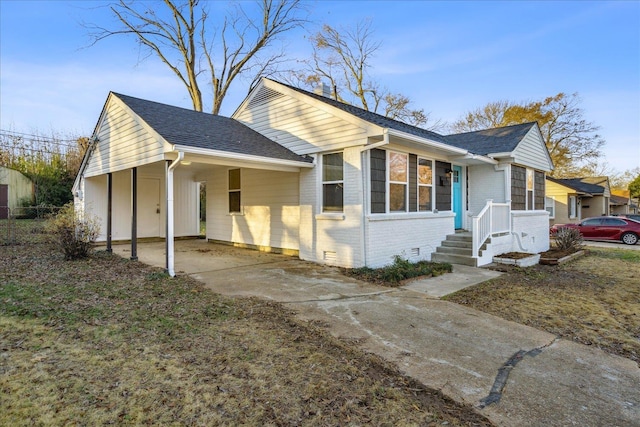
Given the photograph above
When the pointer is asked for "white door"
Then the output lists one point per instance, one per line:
(148, 207)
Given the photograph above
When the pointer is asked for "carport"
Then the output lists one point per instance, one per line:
(142, 172)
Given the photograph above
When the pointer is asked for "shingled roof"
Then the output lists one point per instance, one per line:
(371, 117)
(487, 141)
(579, 185)
(483, 142)
(181, 126)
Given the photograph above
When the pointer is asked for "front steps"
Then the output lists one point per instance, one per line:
(456, 249)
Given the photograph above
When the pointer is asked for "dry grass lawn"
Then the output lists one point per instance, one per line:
(594, 300)
(110, 341)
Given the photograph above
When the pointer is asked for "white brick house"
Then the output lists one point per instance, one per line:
(302, 173)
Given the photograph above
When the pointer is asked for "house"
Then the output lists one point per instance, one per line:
(621, 203)
(14, 189)
(298, 172)
(569, 200)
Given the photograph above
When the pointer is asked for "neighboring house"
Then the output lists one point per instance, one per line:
(620, 203)
(298, 172)
(569, 200)
(14, 188)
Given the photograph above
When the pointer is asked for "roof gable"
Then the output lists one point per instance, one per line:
(488, 141)
(181, 126)
(579, 185)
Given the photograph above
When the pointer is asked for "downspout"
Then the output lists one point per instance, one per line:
(170, 226)
(366, 191)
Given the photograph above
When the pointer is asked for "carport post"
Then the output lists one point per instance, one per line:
(109, 207)
(170, 254)
(134, 214)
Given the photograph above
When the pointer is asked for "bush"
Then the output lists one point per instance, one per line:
(400, 270)
(568, 239)
(72, 233)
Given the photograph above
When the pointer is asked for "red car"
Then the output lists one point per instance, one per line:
(606, 228)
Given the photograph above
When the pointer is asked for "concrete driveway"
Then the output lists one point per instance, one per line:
(513, 374)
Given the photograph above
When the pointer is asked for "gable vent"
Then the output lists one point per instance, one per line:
(264, 96)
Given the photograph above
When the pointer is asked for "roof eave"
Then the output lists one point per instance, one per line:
(426, 141)
(242, 157)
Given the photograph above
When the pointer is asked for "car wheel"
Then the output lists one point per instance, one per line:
(629, 238)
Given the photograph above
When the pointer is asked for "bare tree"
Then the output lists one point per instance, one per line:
(343, 58)
(183, 35)
(573, 142)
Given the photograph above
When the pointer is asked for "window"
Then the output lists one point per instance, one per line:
(613, 222)
(332, 182)
(425, 184)
(550, 206)
(592, 222)
(234, 191)
(573, 206)
(398, 181)
(530, 181)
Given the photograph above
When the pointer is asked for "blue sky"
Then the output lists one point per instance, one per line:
(449, 57)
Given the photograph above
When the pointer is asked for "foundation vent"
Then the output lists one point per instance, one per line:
(414, 252)
(329, 256)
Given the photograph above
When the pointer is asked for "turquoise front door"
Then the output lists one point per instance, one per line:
(456, 182)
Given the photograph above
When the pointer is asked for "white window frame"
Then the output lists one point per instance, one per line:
(550, 206)
(573, 206)
(390, 182)
(531, 179)
(234, 190)
(432, 201)
(323, 182)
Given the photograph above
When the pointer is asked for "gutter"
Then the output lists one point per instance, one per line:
(242, 157)
(169, 238)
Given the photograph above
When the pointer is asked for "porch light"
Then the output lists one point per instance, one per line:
(185, 162)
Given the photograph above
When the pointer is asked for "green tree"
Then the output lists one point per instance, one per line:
(572, 141)
(192, 43)
(51, 163)
(634, 187)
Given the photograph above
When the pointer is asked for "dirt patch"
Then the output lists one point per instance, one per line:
(111, 341)
(594, 300)
(514, 255)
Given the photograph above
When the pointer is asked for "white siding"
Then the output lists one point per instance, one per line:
(335, 238)
(485, 182)
(150, 223)
(270, 209)
(405, 235)
(301, 127)
(123, 142)
(532, 152)
(186, 202)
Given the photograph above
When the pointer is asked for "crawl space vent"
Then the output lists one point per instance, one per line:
(329, 256)
(414, 252)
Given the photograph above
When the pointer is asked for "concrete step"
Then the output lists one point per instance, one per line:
(454, 259)
(454, 250)
(457, 244)
(459, 237)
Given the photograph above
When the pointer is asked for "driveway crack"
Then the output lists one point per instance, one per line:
(503, 373)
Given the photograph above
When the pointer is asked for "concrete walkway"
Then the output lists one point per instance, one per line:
(513, 374)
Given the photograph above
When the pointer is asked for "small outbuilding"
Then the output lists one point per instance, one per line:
(15, 189)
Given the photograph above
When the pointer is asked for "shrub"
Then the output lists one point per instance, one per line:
(568, 239)
(400, 270)
(73, 233)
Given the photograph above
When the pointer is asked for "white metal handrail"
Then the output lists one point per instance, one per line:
(493, 218)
